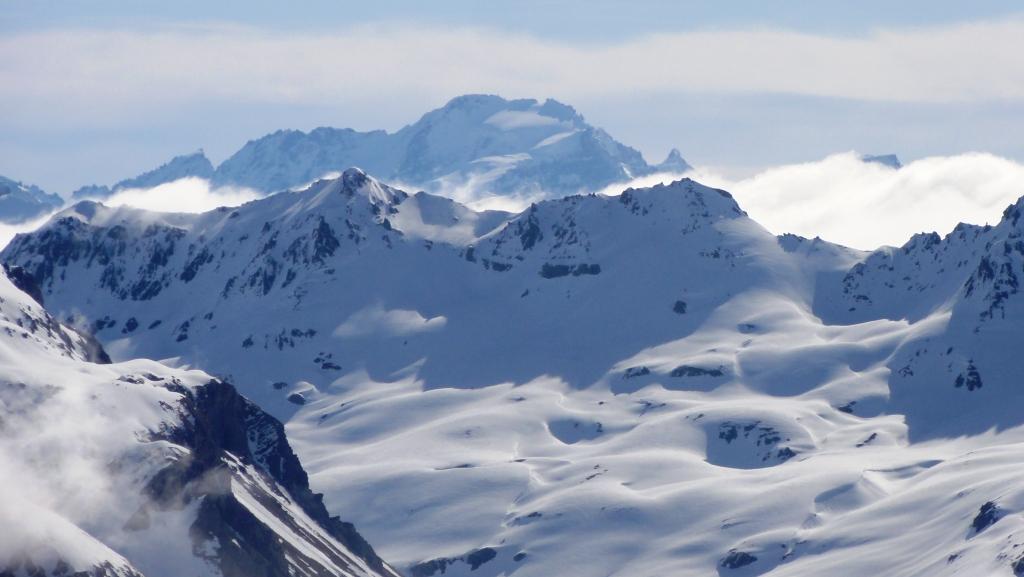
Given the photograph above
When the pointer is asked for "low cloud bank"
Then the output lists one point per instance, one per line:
(865, 205)
(840, 198)
(154, 69)
(183, 195)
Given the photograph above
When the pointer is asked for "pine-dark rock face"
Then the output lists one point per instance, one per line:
(150, 444)
(234, 441)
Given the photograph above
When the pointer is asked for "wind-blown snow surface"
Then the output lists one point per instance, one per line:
(641, 384)
(131, 468)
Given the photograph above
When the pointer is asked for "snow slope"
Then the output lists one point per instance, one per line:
(136, 468)
(641, 384)
(474, 143)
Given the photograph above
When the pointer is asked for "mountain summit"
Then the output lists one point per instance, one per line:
(484, 142)
(187, 165)
(20, 202)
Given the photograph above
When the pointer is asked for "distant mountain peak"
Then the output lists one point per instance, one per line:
(674, 162)
(549, 107)
(194, 164)
(20, 202)
(355, 182)
(191, 164)
(890, 160)
(355, 177)
(496, 145)
(700, 199)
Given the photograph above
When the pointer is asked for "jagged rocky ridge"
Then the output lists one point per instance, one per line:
(135, 468)
(194, 165)
(651, 376)
(502, 146)
(20, 202)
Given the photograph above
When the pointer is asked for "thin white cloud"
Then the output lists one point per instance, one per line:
(184, 195)
(110, 73)
(474, 191)
(866, 205)
(376, 320)
(8, 231)
(642, 182)
(512, 119)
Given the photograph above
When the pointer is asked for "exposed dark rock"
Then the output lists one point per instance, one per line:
(324, 242)
(764, 436)
(23, 565)
(479, 557)
(94, 351)
(970, 378)
(736, 559)
(474, 559)
(1018, 567)
(691, 371)
(633, 372)
(784, 454)
(528, 230)
(25, 282)
(220, 426)
(130, 325)
(988, 515)
(868, 440)
(548, 270)
(192, 268)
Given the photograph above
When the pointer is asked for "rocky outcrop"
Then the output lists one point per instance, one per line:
(239, 453)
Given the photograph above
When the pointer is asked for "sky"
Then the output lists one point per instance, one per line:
(97, 91)
(92, 92)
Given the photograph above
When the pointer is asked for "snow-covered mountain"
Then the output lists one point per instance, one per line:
(20, 202)
(194, 165)
(134, 468)
(483, 142)
(648, 383)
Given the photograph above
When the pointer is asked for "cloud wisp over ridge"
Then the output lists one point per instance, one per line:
(183, 195)
(866, 205)
(840, 198)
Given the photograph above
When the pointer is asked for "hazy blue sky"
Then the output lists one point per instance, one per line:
(96, 91)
